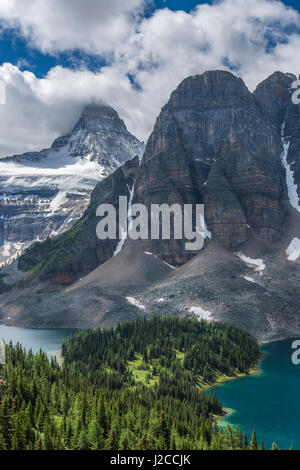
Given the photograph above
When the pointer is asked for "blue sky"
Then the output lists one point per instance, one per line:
(15, 50)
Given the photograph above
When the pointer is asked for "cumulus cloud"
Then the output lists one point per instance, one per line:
(95, 26)
(253, 38)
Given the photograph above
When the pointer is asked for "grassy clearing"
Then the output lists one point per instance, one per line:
(142, 372)
(180, 355)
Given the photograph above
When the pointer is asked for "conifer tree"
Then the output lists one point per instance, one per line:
(253, 443)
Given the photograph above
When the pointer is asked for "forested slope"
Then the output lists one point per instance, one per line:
(139, 386)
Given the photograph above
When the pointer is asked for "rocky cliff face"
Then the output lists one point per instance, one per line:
(274, 98)
(42, 194)
(215, 143)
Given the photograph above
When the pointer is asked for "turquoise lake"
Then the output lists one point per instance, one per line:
(49, 340)
(269, 401)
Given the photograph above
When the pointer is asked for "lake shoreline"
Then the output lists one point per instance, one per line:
(13, 324)
(267, 403)
(48, 340)
(57, 354)
(256, 371)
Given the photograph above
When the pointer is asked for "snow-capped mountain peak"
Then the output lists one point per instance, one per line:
(100, 135)
(67, 172)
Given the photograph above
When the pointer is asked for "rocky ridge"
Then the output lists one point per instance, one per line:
(42, 194)
(213, 143)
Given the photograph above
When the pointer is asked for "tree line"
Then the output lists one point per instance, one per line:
(137, 386)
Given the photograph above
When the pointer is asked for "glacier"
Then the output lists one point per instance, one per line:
(42, 194)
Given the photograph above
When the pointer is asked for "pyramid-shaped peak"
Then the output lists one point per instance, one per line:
(99, 116)
(100, 134)
(95, 110)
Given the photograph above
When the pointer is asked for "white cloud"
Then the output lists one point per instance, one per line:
(39, 110)
(94, 26)
(257, 37)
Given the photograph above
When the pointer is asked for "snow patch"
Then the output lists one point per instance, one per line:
(59, 200)
(135, 302)
(290, 180)
(129, 220)
(10, 251)
(121, 242)
(293, 250)
(6, 249)
(58, 170)
(204, 230)
(258, 264)
(169, 265)
(201, 314)
(155, 256)
(249, 279)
